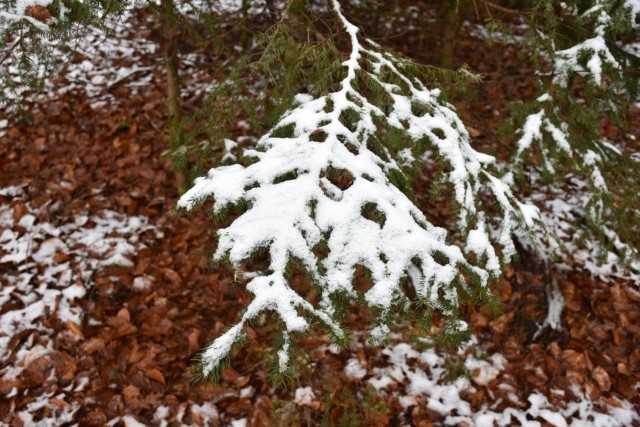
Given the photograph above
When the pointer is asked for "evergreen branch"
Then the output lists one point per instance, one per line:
(321, 173)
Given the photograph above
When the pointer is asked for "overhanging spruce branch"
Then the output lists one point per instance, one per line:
(326, 176)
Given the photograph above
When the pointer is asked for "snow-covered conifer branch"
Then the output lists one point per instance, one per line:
(562, 124)
(38, 13)
(589, 59)
(325, 174)
(569, 61)
(37, 37)
(632, 7)
(21, 12)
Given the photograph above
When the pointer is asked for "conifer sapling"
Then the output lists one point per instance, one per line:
(583, 79)
(378, 119)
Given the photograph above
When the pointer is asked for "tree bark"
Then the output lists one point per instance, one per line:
(450, 29)
(174, 107)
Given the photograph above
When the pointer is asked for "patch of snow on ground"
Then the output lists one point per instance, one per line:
(127, 56)
(101, 62)
(61, 411)
(46, 267)
(127, 420)
(560, 210)
(304, 396)
(242, 422)
(97, 63)
(480, 32)
(355, 370)
(206, 413)
(422, 374)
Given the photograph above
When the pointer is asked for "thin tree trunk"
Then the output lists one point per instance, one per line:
(246, 36)
(174, 107)
(450, 29)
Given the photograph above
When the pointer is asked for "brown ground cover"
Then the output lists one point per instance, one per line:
(142, 324)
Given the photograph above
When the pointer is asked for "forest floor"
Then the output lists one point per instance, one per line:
(107, 295)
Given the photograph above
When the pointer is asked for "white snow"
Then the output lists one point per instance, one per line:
(57, 414)
(633, 6)
(229, 145)
(161, 414)
(289, 217)
(478, 242)
(247, 392)
(304, 396)
(207, 411)
(19, 13)
(242, 422)
(561, 209)
(546, 127)
(479, 31)
(568, 61)
(110, 61)
(128, 420)
(423, 374)
(142, 283)
(592, 159)
(38, 285)
(554, 311)
(534, 128)
(355, 370)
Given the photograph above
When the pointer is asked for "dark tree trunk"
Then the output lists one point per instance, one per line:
(174, 107)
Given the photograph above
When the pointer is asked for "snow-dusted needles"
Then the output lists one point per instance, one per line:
(295, 205)
(564, 123)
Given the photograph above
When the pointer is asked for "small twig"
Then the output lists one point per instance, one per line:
(10, 50)
(475, 6)
(153, 124)
(119, 80)
(501, 8)
(486, 6)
